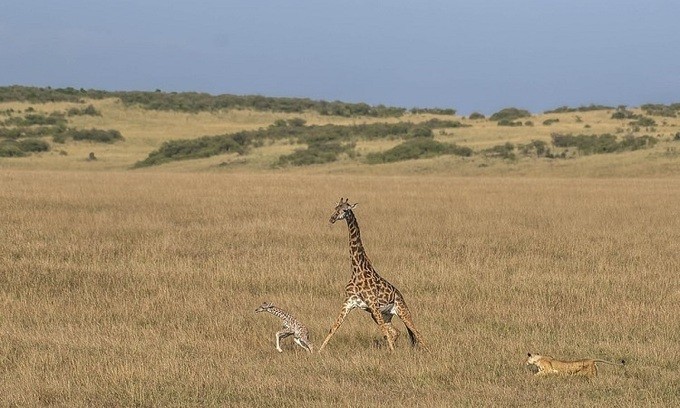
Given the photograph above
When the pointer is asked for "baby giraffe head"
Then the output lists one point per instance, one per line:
(263, 307)
(341, 210)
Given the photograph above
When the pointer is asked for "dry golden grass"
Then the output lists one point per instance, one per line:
(139, 288)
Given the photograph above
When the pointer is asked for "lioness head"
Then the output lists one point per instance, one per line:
(531, 362)
(532, 359)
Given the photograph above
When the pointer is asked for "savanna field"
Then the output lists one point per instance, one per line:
(138, 287)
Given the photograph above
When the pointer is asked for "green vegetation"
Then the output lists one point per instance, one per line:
(201, 102)
(623, 113)
(549, 122)
(21, 148)
(205, 146)
(538, 148)
(10, 148)
(33, 145)
(87, 111)
(503, 151)
(510, 151)
(317, 153)
(508, 122)
(94, 135)
(36, 119)
(417, 148)
(434, 111)
(606, 143)
(476, 116)
(510, 114)
(655, 109)
(592, 107)
(643, 121)
(23, 133)
(324, 143)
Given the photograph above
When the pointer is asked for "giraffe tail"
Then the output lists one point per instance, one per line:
(416, 339)
(412, 337)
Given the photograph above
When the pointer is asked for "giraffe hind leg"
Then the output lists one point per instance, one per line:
(387, 318)
(384, 327)
(304, 344)
(414, 335)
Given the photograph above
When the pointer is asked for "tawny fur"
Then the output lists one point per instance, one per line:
(546, 365)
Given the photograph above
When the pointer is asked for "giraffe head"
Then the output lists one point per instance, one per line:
(263, 307)
(341, 210)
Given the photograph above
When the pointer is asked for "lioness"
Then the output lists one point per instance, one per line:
(545, 365)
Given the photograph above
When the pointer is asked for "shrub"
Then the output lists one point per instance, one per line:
(317, 153)
(434, 111)
(623, 113)
(591, 107)
(643, 121)
(95, 135)
(90, 110)
(476, 115)
(510, 114)
(10, 148)
(636, 143)
(507, 122)
(37, 119)
(661, 110)
(549, 122)
(33, 145)
(296, 122)
(535, 147)
(421, 132)
(417, 149)
(504, 151)
(205, 146)
(11, 133)
(605, 143)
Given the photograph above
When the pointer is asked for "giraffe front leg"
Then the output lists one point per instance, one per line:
(280, 336)
(338, 322)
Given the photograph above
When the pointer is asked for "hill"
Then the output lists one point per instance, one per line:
(65, 129)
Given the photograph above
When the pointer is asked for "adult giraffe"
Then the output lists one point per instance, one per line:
(369, 291)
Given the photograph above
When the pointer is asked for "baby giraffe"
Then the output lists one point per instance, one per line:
(291, 327)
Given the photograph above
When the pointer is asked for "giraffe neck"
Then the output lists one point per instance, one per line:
(360, 262)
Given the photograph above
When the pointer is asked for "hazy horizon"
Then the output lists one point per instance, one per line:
(481, 56)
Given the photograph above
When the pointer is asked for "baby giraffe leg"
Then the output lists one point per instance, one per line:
(279, 336)
(303, 344)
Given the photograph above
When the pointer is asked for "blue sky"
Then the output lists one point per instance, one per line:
(479, 55)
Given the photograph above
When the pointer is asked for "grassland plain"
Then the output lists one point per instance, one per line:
(122, 288)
